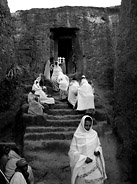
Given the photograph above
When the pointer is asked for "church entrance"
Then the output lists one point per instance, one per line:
(65, 51)
(63, 44)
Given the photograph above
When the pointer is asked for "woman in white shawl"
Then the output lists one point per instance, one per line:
(63, 81)
(35, 107)
(47, 70)
(85, 96)
(43, 97)
(56, 71)
(86, 157)
(73, 92)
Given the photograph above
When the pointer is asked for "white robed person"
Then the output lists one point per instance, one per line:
(56, 72)
(63, 81)
(43, 97)
(47, 70)
(21, 173)
(86, 157)
(35, 107)
(85, 95)
(73, 92)
(11, 166)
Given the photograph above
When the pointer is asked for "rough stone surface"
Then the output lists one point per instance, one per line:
(6, 39)
(93, 39)
(126, 85)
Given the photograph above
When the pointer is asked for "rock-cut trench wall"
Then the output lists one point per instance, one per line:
(6, 39)
(126, 84)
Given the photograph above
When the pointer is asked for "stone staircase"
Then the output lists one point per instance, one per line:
(59, 124)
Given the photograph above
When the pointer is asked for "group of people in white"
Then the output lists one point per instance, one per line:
(80, 94)
(85, 153)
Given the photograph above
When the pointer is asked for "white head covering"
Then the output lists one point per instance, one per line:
(83, 145)
(83, 76)
(36, 86)
(82, 133)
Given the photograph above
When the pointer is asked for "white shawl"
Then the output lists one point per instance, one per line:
(47, 70)
(85, 96)
(72, 92)
(83, 145)
(18, 178)
(36, 85)
(56, 71)
(63, 81)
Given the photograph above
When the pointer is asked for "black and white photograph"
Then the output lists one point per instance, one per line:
(68, 92)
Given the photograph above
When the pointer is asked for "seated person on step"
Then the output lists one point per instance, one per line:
(3, 162)
(43, 97)
(35, 107)
(10, 168)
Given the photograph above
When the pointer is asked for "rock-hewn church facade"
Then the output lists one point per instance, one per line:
(84, 36)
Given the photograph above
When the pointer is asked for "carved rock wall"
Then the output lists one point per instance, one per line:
(126, 82)
(95, 52)
(6, 39)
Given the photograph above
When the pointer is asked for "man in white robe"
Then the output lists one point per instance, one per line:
(11, 166)
(21, 174)
(85, 96)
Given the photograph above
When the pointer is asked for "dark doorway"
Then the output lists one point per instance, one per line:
(65, 50)
(64, 44)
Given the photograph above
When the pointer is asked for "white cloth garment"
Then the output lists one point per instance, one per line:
(18, 178)
(36, 85)
(85, 96)
(35, 108)
(83, 145)
(11, 166)
(63, 81)
(56, 71)
(47, 70)
(73, 92)
(43, 97)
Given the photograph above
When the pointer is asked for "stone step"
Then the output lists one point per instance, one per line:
(34, 129)
(64, 117)
(59, 119)
(10, 144)
(49, 135)
(55, 123)
(60, 133)
(51, 121)
(49, 145)
(63, 112)
(61, 106)
(64, 123)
